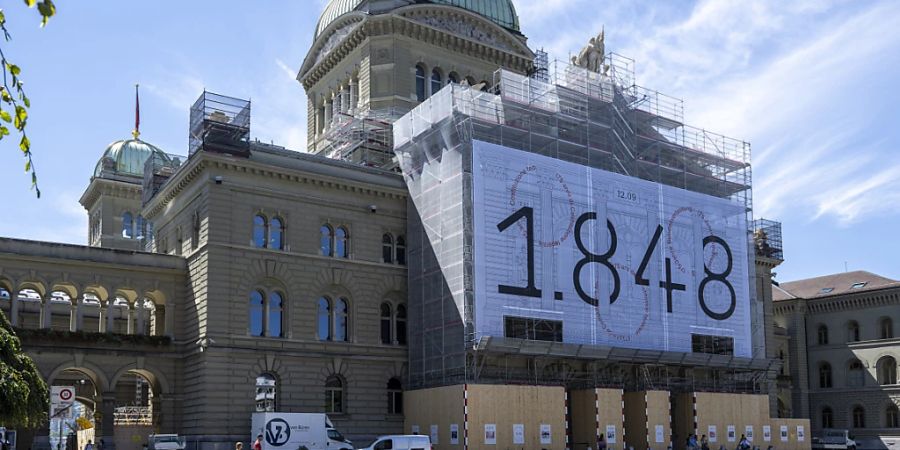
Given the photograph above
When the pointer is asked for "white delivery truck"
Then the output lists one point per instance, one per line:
(295, 431)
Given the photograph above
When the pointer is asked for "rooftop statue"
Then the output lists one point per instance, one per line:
(593, 55)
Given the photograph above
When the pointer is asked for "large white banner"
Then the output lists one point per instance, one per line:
(614, 260)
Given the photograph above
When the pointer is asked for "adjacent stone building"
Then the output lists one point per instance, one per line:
(840, 346)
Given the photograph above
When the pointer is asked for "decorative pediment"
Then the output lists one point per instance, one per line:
(334, 40)
(463, 28)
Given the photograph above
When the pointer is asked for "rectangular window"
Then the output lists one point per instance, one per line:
(533, 329)
(715, 345)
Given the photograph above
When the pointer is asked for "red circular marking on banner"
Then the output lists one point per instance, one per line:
(65, 394)
(571, 202)
(622, 337)
(702, 217)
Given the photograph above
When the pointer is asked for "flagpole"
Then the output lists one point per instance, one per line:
(137, 113)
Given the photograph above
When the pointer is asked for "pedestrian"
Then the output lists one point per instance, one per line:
(601, 445)
(258, 444)
(89, 445)
(704, 443)
(692, 442)
(744, 444)
(100, 444)
(238, 446)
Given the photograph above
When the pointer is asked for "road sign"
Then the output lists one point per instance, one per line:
(61, 398)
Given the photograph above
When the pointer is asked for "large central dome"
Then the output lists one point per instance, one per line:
(501, 12)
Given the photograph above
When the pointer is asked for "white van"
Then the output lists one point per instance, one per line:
(401, 442)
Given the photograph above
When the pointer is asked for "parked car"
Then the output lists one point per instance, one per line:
(401, 442)
(834, 439)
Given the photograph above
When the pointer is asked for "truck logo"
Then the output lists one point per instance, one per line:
(278, 432)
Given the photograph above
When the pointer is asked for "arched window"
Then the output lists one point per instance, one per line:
(859, 417)
(341, 316)
(257, 310)
(325, 245)
(401, 250)
(141, 228)
(400, 322)
(827, 418)
(887, 370)
(324, 319)
(892, 417)
(266, 313)
(856, 374)
(341, 243)
(276, 232)
(421, 94)
(824, 375)
(276, 310)
(823, 335)
(127, 226)
(436, 81)
(259, 231)
(386, 314)
(265, 393)
(887, 328)
(334, 395)
(395, 396)
(853, 331)
(453, 78)
(387, 248)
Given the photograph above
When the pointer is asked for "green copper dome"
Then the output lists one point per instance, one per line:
(127, 158)
(501, 12)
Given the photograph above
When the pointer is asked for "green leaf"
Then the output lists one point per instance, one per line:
(28, 166)
(3, 131)
(5, 116)
(30, 3)
(4, 94)
(25, 100)
(21, 116)
(13, 69)
(25, 144)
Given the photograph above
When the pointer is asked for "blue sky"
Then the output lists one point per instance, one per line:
(810, 84)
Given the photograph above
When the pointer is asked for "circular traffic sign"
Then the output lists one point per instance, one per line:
(66, 394)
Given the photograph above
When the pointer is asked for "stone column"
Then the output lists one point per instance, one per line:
(46, 311)
(317, 120)
(110, 322)
(14, 308)
(354, 94)
(107, 423)
(131, 311)
(79, 314)
(335, 105)
(140, 323)
(73, 316)
(328, 110)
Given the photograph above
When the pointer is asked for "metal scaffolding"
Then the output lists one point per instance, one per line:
(604, 121)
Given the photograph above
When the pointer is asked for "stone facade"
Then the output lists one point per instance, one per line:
(841, 349)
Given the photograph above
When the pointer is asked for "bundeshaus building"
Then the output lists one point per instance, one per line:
(480, 244)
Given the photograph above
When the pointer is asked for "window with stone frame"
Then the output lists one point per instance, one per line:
(859, 417)
(387, 248)
(891, 416)
(853, 331)
(887, 370)
(856, 374)
(887, 328)
(266, 386)
(395, 396)
(334, 395)
(825, 375)
(421, 83)
(386, 324)
(823, 335)
(827, 418)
